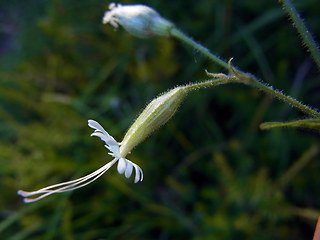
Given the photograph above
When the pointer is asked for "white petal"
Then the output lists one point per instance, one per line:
(129, 169)
(141, 178)
(139, 173)
(95, 125)
(107, 139)
(122, 165)
(137, 178)
(114, 149)
(111, 143)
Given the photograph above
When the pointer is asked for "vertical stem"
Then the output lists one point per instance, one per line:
(302, 30)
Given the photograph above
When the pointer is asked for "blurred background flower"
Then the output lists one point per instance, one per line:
(210, 173)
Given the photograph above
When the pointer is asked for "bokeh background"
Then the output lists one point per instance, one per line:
(210, 173)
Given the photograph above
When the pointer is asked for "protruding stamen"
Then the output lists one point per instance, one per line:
(66, 186)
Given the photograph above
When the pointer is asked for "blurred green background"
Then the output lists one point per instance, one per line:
(210, 173)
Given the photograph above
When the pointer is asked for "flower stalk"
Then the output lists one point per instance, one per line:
(176, 33)
(144, 22)
(141, 20)
(236, 75)
(156, 114)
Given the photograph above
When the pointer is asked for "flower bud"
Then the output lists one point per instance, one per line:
(139, 20)
(157, 113)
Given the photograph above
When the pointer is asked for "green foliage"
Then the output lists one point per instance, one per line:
(305, 123)
(209, 174)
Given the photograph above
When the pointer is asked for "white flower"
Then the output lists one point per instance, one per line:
(139, 20)
(124, 166)
(157, 113)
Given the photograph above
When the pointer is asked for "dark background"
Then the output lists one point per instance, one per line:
(210, 173)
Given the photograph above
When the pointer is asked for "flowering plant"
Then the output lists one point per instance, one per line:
(143, 22)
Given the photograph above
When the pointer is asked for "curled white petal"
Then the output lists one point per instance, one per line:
(126, 166)
(129, 169)
(111, 143)
(95, 125)
(137, 177)
(122, 165)
(107, 139)
(98, 128)
(139, 173)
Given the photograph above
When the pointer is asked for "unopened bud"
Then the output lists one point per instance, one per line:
(139, 20)
(157, 113)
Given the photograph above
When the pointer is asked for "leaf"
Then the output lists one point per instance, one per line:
(311, 123)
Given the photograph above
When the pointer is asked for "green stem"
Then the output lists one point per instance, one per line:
(184, 38)
(242, 77)
(302, 30)
(208, 83)
(293, 102)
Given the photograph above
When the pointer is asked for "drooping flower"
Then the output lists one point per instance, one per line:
(157, 113)
(124, 166)
(139, 20)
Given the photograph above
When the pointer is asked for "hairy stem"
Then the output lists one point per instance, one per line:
(241, 77)
(184, 38)
(208, 83)
(302, 30)
(291, 101)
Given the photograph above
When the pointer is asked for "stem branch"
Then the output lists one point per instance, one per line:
(291, 101)
(240, 76)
